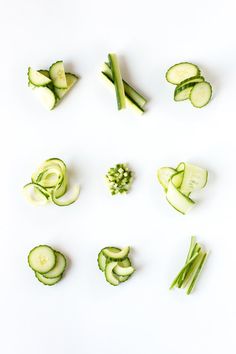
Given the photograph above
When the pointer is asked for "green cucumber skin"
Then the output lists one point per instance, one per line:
(64, 268)
(36, 275)
(179, 89)
(117, 78)
(51, 67)
(184, 62)
(115, 259)
(33, 250)
(191, 79)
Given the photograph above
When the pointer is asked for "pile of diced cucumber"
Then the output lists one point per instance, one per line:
(190, 84)
(119, 178)
(50, 86)
(47, 264)
(115, 264)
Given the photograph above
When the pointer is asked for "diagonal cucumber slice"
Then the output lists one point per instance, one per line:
(201, 94)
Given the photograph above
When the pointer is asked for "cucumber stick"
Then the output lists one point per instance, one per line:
(118, 82)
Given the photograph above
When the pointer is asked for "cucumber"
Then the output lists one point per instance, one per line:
(59, 267)
(109, 274)
(47, 281)
(181, 71)
(71, 79)
(164, 174)
(46, 97)
(178, 200)
(71, 200)
(124, 271)
(182, 92)
(194, 79)
(36, 78)
(42, 259)
(116, 75)
(44, 72)
(102, 259)
(116, 256)
(57, 74)
(36, 194)
(194, 178)
(201, 94)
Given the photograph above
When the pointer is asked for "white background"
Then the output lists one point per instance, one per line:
(84, 314)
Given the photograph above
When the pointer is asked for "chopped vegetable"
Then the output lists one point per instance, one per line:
(49, 183)
(119, 179)
(188, 275)
(118, 82)
(180, 182)
(115, 264)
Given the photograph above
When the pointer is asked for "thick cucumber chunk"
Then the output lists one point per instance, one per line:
(116, 256)
(124, 271)
(59, 268)
(42, 259)
(164, 174)
(201, 94)
(181, 71)
(118, 82)
(47, 281)
(57, 74)
(109, 274)
(182, 92)
(71, 79)
(36, 78)
(46, 97)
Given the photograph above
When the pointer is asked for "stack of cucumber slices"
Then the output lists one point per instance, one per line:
(190, 84)
(47, 264)
(126, 95)
(50, 86)
(190, 272)
(180, 182)
(49, 183)
(115, 264)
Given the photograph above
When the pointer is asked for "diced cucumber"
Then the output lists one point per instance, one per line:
(201, 94)
(42, 259)
(182, 92)
(47, 281)
(59, 267)
(37, 79)
(57, 74)
(181, 71)
(194, 178)
(116, 256)
(71, 79)
(116, 76)
(109, 274)
(164, 174)
(178, 200)
(46, 97)
(124, 271)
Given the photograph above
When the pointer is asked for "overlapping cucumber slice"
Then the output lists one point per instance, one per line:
(48, 264)
(115, 264)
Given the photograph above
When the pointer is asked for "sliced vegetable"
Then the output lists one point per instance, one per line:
(116, 256)
(201, 94)
(37, 78)
(46, 96)
(116, 75)
(181, 71)
(179, 183)
(109, 274)
(182, 92)
(119, 179)
(59, 267)
(71, 79)
(57, 74)
(47, 281)
(49, 183)
(42, 259)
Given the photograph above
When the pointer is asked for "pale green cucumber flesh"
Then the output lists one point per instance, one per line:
(42, 259)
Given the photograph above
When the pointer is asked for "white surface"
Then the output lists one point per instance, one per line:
(83, 314)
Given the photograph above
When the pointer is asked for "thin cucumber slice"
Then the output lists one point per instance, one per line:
(124, 271)
(36, 194)
(71, 79)
(178, 200)
(57, 74)
(46, 97)
(59, 268)
(182, 92)
(181, 71)
(116, 256)
(71, 200)
(102, 259)
(194, 178)
(194, 79)
(201, 94)
(44, 72)
(109, 274)
(196, 275)
(42, 259)
(47, 281)
(116, 75)
(37, 79)
(164, 174)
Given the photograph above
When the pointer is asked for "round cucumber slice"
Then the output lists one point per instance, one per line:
(42, 259)
(59, 268)
(201, 94)
(47, 281)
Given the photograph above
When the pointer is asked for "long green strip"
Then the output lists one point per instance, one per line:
(175, 281)
(191, 247)
(116, 75)
(195, 278)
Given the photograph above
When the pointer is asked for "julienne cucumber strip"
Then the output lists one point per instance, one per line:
(180, 182)
(115, 264)
(118, 82)
(190, 272)
(48, 264)
(49, 183)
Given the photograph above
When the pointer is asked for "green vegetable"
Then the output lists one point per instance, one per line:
(181, 71)
(118, 82)
(49, 183)
(119, 179)
(180, 182)
(189, 274)
(37, 78)
(201, 94)
(57, 74)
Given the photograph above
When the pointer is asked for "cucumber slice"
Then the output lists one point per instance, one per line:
(71, 200)
(181, 71)
(116, 256)
(57, 74)
(102, 259)
(109, 275)
(201, 94)
(182, 92)
(116, 75)
(59, 268)
(124, 271)
(194, 178)
(164, 174)
(195, 79)
(36, 194)
(71, 79)
(36, 78)
(178, 200)
(42, 259)
(44, 72)
(46, 97)
(47, 281)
